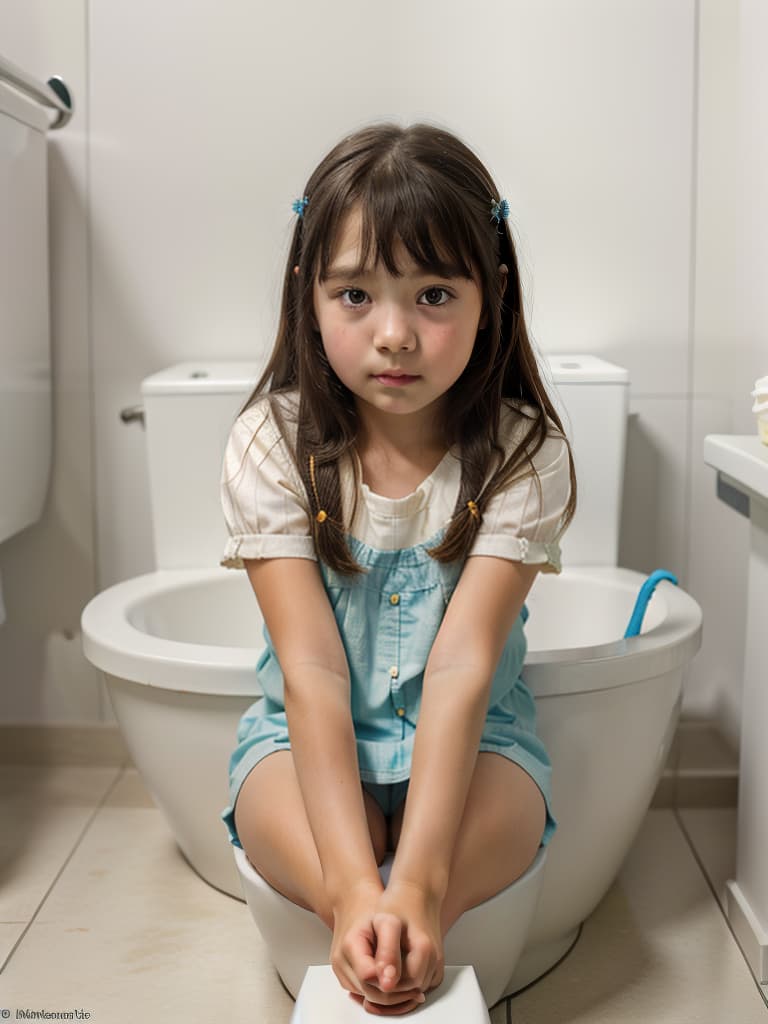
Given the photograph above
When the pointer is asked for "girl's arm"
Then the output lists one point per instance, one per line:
(316, 691)
(317, 703)
(488, 598)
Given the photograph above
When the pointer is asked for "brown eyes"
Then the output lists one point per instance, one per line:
(356, 296)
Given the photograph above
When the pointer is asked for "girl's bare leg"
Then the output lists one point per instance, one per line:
(273, 827)
(500, 833)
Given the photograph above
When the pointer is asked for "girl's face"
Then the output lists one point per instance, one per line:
(398, 344)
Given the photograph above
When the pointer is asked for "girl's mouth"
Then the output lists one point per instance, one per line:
(396, 380)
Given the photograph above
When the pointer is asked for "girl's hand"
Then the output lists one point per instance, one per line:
(355, 951)
(408, 945)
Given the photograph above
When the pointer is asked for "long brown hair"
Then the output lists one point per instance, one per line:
(423, 187)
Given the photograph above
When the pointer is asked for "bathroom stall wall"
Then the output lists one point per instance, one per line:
(203, 123)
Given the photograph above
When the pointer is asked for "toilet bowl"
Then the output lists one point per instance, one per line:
(490, 936)
(180, 677)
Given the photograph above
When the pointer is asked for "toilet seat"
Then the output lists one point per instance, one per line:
(490, 936)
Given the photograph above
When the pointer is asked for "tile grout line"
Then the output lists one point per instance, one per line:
(700, 863)
(718, 904)
(106, 795)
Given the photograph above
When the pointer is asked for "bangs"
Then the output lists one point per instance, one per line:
(404, 211)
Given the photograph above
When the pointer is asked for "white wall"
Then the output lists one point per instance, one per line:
(730, 323)
(610, 126)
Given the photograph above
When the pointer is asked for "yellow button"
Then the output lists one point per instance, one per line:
(394, 671)
(394, 599)
(400, 712)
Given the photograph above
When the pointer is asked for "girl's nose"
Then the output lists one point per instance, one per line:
(395, 332)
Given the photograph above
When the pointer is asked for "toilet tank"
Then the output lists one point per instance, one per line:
(189, 410)
(25, 353)
(592, 397)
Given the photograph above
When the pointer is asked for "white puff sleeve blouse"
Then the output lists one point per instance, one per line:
(523, 523)
(265, 505)
(262, 495)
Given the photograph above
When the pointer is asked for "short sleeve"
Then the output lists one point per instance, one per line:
(262, 496)
(524, 521)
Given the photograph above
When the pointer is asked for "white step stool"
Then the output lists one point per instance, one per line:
(458, 1000)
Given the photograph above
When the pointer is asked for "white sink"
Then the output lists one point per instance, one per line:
(742, 482)
(742, 459)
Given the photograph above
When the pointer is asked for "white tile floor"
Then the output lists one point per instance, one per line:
(99, 913)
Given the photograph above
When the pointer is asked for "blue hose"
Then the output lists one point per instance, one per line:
(645, 595)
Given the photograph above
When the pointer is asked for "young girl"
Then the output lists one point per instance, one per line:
(392, 487)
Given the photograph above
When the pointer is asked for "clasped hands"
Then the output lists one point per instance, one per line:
(387, 948)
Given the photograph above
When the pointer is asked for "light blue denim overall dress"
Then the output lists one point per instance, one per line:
(388, 619)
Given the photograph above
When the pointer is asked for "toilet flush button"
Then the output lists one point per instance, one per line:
(457, 1000)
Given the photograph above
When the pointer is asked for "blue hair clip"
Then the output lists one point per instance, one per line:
(499, 210)
(300, 205)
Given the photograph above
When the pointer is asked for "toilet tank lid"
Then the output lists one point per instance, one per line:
(585, 369)
(202, 378)
(229, 377)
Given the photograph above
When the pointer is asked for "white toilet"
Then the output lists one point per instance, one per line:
(179, 647)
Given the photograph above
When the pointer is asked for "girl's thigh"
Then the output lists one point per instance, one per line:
(273, 827)
(500, 832)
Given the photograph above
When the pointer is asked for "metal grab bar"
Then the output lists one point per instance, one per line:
(55, 94)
